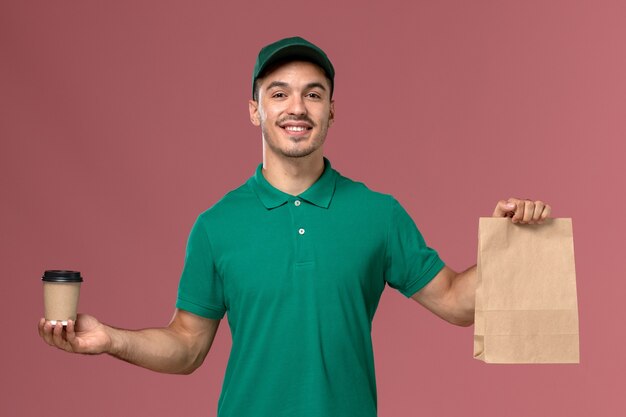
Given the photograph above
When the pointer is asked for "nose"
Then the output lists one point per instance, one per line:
(296, 105)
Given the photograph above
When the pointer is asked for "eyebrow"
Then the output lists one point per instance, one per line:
(283, 84)
(315, 85)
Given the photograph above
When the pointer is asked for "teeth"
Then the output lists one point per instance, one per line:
(295, 128)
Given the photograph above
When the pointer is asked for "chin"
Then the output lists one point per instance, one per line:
(286, 147)
(299, 153)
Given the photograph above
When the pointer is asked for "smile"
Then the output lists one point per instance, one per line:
(296, 128)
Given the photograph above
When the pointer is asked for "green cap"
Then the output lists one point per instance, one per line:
(293, 49)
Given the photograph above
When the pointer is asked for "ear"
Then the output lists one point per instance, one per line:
(331, 118)
(253, 108)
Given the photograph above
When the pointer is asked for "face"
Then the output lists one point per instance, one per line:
(294, 109)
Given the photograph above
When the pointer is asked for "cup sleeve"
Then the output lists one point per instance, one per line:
(409, 263)
(201, 289)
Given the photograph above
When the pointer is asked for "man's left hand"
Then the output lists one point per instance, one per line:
(523, 211)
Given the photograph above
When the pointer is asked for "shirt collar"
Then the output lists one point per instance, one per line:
(319, 194)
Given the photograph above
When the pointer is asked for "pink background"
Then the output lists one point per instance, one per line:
(121, 121)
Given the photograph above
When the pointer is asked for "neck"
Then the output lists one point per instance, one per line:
(292, 175)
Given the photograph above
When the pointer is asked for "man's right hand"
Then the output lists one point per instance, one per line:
(178, 348)
(86, 335)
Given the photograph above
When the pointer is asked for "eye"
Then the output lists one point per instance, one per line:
(314, 95)
(279, 95)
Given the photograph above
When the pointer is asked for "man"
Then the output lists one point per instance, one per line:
(298, 257)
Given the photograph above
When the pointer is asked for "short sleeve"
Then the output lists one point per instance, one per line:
(200, 290)
(409, 263)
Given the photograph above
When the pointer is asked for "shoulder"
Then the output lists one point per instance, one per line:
(231, 206)
(359, 193)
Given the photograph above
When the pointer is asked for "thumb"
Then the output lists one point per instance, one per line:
(504, 209)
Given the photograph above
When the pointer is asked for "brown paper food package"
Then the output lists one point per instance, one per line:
(526, 303)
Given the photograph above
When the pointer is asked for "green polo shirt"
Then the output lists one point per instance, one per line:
(300, 278)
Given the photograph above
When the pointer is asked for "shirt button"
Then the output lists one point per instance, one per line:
(297, 203)
(301, 231)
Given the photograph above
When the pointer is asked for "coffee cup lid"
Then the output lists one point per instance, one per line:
(56, 275)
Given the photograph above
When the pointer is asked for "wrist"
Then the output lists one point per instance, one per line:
(116, 343)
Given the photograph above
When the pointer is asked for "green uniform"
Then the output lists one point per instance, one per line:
(300, 278)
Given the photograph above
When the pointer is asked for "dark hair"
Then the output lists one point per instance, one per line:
(273, 66)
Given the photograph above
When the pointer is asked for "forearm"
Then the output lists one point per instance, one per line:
(161, 350)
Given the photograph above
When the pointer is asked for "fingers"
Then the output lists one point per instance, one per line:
(542, 212)
(547, 210)
(45, 331)
(42, 322)
(55, 335)
(70, 334)
(519, 210)
(529, 211)
(523, 211)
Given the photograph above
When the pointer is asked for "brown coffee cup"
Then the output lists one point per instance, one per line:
(61, 290)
